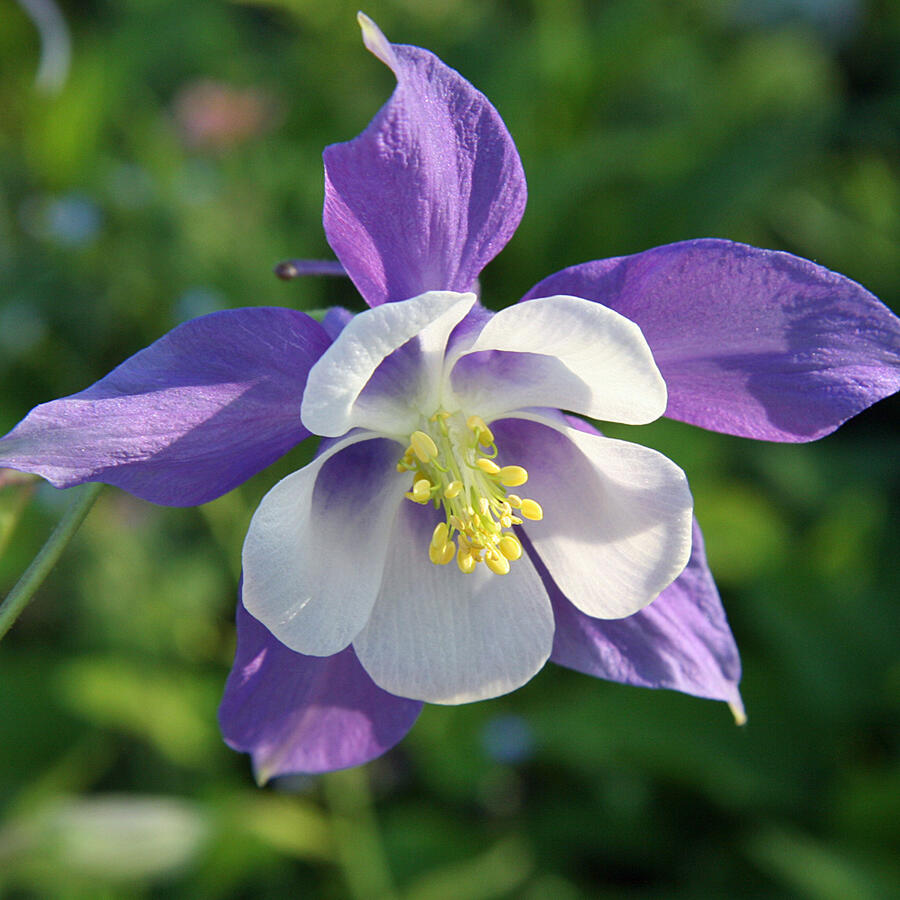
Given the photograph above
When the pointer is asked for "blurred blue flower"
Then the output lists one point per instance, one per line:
(508, 739)
(73, 220)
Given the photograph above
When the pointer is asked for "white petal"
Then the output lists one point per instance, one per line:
(617, 516)
(444, 637)
(332, 401)
(315, 550)
(561, 352)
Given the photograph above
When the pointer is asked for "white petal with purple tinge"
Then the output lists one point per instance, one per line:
(444, 637)
(680, 641)
(617, 516)
(332, 402)
(316, 546)
(561, 352)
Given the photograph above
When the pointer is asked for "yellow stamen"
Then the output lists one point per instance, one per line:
(488, 466)
(499, 565)
(442, 554)
(510, 547)
(465, 562)
(483, 434)
(423, 446)
(451, 461)
(439, 537)
(422, 490)
(452, 490)
(513, 476)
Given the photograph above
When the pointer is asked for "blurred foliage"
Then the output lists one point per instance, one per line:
(178, 161)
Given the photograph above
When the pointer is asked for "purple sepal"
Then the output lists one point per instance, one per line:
(305, 714)
(186, 419)
(681, 641)
(431, 191)
(751, 342)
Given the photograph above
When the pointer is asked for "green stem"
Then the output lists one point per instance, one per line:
(19, 597)
(357, 841)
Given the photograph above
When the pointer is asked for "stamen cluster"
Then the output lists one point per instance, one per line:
(453, 466)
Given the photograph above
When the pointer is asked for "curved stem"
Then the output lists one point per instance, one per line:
(49, 554)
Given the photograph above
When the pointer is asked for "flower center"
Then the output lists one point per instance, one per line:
(452, 461)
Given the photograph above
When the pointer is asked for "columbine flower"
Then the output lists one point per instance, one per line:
(403, 536)
(456, 528)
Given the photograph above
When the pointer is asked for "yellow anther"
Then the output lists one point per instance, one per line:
(513, 476)
(466, 562)
(484, 434)
(498, 564)
(423, 446)
(488, 466)
(421, 491)
(510, 547)
(455, 467)
(448, 554)
(452, 490)
(441, 554)
(531, 509)
(439, 537)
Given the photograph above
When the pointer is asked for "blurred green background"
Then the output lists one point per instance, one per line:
(162, 175)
